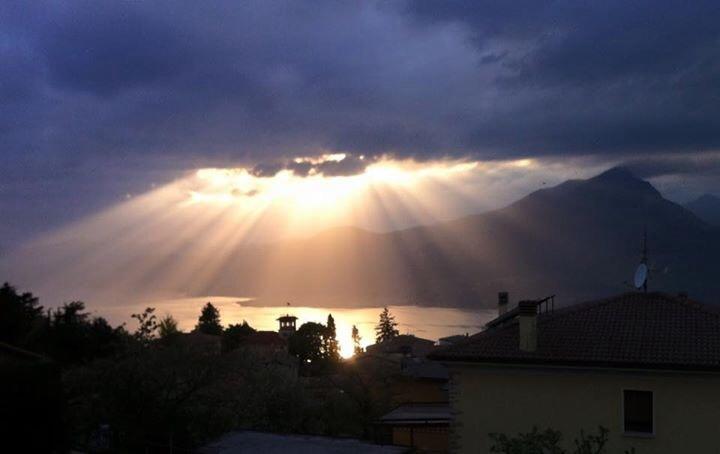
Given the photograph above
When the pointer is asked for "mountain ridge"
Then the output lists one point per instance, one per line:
(580, 239)
(707, 208)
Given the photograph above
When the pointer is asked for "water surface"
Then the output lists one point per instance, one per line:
(426, 322)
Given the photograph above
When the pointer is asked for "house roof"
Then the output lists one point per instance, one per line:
(421, 413)
(453, 339)
(633, 330)
(401, 343)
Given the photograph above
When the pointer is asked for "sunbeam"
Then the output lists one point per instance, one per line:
(236, 233)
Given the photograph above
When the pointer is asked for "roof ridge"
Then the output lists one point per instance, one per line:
(569, 310)
(577, 334)
(694, 304)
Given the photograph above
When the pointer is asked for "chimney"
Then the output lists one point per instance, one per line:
(527, 319)
(503, 300)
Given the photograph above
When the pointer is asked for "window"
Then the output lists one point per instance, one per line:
(638, 411)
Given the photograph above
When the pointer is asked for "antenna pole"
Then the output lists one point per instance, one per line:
(645, 258)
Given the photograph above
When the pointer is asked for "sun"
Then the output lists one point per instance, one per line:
(383, 192)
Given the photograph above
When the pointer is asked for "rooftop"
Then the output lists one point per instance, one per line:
(403, 343)
(419, 414)
(453, 339)
(633, 330)
(267, 443)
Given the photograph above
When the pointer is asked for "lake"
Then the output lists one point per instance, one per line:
(426, 322)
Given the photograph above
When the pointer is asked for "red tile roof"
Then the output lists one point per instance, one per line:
(633, 330)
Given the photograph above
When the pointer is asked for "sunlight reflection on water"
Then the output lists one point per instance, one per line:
(426, 322)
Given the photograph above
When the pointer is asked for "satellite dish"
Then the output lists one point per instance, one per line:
(641, 275)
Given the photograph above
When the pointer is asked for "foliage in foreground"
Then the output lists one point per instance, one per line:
(548, 442)
(155, 389)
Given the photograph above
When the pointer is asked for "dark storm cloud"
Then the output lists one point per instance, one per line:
(106, 50)
(170, 85)
(700, 165)
(600, 77)
(348, 165)
(258, 80)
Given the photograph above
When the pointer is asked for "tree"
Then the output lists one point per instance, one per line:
(234, 335)
(331, 344)
(357, 349)
(105, 340)
(147, 325)
(69, 335)
(168, 327)
(386, 328)
(18, 314)
(209, 321)
(157, 399)
(308, 342)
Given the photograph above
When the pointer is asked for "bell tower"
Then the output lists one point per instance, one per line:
(287, 325)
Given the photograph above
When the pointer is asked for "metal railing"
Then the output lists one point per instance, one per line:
(546, 305)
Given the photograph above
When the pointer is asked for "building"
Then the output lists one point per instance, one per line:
(420, 418)
(265, 341)
(404, 345)
(646, 366)
(420, 381)
(266, 349)
(422, 415)
(420, 426)
(287, 326)
(452, 340)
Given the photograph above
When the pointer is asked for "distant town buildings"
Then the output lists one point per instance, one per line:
(646, 366)
(404, 344)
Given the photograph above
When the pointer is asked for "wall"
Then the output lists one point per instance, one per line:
(510, 400)
(425, 439)
(418, 391)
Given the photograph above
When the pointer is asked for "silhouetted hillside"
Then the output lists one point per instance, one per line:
(707, 208)
(580, 239)
(577, 240)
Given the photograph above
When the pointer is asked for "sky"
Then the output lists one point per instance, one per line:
(102, 102)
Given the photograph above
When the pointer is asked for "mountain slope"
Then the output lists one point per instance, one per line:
(707, 208)
(581, 239)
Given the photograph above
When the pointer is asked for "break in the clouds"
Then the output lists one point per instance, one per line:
(92, 92)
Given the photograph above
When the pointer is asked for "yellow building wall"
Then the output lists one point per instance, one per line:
(513, 400)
